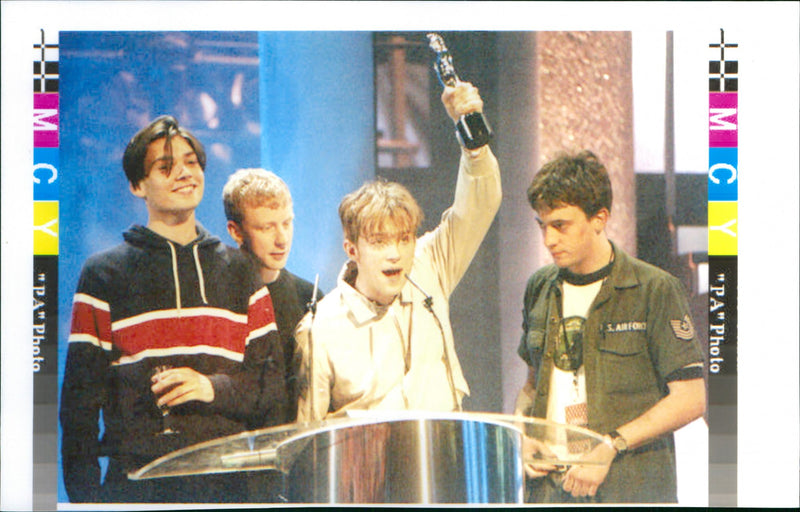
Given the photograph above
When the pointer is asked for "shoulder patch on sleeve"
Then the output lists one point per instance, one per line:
(683, 329)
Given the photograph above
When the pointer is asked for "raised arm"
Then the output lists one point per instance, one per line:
(477, 198)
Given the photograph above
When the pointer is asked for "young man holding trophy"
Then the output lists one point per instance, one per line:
(382, 338)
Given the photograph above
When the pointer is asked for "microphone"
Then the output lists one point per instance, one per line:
(428, 302)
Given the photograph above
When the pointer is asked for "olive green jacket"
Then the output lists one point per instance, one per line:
(638, 331)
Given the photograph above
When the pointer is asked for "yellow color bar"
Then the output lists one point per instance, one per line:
(723, 228)
(45, 227)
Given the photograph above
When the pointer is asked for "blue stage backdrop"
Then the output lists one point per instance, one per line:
(318, 134)
(299, 103)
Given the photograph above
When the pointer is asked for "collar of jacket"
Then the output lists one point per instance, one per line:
(362, 308)
(623, 274)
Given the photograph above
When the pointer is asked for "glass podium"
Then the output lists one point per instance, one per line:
(396, 457)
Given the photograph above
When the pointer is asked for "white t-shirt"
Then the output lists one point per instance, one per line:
(567, 397)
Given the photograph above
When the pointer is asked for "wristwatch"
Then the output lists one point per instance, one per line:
(618, 442)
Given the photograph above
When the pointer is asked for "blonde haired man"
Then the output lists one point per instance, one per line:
(379, 340)
(258, 206)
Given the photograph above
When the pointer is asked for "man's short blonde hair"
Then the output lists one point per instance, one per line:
(366, 210)
(252, 188)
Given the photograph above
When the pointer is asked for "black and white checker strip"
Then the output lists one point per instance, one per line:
(723, 75)
(45, 64)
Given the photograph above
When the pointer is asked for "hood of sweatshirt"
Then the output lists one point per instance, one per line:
(148, 240)
(145, 238)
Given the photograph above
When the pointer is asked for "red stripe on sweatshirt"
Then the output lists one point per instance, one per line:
(182, 332)
(91, 321)
(260, 312)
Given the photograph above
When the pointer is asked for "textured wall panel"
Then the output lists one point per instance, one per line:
(585, 101)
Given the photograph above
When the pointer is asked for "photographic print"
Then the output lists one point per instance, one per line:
(689, 109)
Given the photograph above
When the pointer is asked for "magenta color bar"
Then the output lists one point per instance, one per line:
(723, 119)
(45, 120)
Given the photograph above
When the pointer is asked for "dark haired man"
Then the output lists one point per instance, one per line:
(610, 345)
(173, 339)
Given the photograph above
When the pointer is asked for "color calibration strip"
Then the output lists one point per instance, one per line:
(45, 268)
(723, 182)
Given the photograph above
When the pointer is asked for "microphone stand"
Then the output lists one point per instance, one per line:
(312, 308)
(428, 303)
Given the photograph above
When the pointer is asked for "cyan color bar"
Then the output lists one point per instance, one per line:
(723, 174)
(45, 174)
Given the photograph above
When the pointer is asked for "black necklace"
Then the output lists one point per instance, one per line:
(584, 279)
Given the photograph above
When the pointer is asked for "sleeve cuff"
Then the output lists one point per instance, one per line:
(475, 153)
(222, 391)
(686, 373)
(478, 162)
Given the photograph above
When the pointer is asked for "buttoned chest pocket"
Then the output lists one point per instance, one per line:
(625, 362)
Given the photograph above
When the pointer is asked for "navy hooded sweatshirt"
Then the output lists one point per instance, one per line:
(150, 301)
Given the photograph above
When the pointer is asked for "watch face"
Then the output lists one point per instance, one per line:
(620, 444)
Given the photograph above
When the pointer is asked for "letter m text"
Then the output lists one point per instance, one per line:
(723, 122)
(45, 120)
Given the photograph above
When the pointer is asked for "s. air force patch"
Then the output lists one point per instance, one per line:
(683, 329)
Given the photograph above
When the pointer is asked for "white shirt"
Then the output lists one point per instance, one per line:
(392, 358)
(568, 388)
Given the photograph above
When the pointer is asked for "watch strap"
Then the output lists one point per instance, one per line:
(619, 442)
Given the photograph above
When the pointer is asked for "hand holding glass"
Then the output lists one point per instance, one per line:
(157, 375)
